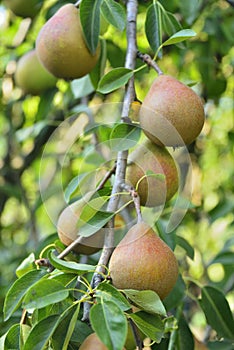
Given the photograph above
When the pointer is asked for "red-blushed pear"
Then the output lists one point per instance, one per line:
(143, 261)
(61, 45)
(153, 191)
(31, 76)
(172, 114)
(92, 342)
(68, 230)
(24, 8)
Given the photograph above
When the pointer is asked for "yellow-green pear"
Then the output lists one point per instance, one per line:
(172, 114)
(153, 191)
(68, 230)
(143, 261)
(31, 76)
(61, 45)
(24, 8)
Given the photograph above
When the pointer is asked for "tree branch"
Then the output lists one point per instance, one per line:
(149, 61)
(130, 61)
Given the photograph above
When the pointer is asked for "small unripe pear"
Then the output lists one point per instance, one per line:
(150, 157)
(24, 8)
(31, 76)
(92, 342)
(171, 114)
(143, 261)
(61, 46)
(68, 230)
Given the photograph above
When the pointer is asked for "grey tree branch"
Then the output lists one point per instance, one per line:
(130, 61)
(149, 61)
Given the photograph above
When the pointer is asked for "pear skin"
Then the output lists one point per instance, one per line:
(172, 114)
(31, 76)
(152, 191)
(143, 261)
(61, 46)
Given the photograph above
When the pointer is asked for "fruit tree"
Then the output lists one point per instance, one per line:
(116, 176)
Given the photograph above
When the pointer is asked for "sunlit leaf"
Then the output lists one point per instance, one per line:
(124, 136)
(108, 292)
(153, 26)
(180, 36)
(151, 325)
(70, 266)
(114, 79)
(114, 13)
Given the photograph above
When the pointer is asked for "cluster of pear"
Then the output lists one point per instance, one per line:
(61, 50)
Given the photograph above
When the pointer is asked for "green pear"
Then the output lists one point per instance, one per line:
(31, 76)
(61, 45)
(172, 114)
(143, 261)
(24, 8)
(153, 191)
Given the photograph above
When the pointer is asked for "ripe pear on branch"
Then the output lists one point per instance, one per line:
(143, 261)
(172, 114)
(152, 190)
(61, 45)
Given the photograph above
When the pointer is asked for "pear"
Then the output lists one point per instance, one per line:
(31, 76)
(171, 114)
(92, 342)
(142, 261)
(61, 46)
(68, 231)
(24, 8)
(153, 191)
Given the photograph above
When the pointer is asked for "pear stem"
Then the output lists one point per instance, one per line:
(149, 61)
(135, 198)
(77, 4)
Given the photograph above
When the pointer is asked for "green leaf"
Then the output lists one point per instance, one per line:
(147, 300)
(190, 10)
(12, 338)
(151, 325)
(224, 258)
(153, 26)
(217, 312)
(28, 264)
(108, 292)
(182, 35)
(41, 333)
(82, 87)
(74, 184)
(19, 288)
(124, 136)
(114, 79)
(110, 324)
(114, 13)
(71, 327)
(98, 71)
(185, 340)
(97, 221)
(170, 23)
(90, 21)
(176, 295)
(186, 246)
(43, 293)
(70, 266)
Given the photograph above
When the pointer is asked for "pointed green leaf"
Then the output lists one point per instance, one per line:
(12, 338)
(147, 300)
(43, 293)
(170, 23)
(151, 325)
(217, 312)
(185, 339)
(28, 264)
(41, 333)
(90, 21)
(186, 246)
(124, 136)
(114, 79)
(71, 327)
(182, 35)
(110, 324)
(153, 26)
(17, 291)
(69, 266)
(114, 13)
(108, 292)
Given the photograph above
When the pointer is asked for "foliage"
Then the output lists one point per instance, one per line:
(42, 171)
